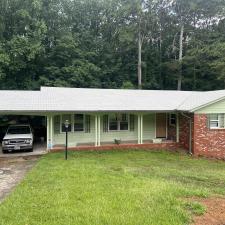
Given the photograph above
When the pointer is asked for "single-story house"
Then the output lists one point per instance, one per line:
(111, 117)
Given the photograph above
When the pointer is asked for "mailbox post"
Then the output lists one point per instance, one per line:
(66, 128)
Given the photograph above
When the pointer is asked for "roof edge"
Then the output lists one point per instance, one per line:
(207, 104)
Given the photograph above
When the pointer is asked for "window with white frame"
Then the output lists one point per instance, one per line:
(118, 122)
(216, 121)
(172, 119)
(78, 122)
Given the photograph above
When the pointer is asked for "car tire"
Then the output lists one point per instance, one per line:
(5, 151)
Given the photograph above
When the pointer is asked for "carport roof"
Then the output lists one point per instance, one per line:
(54, 99)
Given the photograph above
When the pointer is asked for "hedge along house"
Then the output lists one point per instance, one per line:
(105, 118)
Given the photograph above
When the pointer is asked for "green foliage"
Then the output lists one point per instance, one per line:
(4, 62)
(127, 85)
(92, 43)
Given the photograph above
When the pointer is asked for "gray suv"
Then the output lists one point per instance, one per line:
(18, 137)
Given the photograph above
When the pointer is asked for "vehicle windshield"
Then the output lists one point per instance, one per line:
(19, 130)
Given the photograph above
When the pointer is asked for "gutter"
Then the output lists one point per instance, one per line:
(190, 132)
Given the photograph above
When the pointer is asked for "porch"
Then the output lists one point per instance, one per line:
(113, 130)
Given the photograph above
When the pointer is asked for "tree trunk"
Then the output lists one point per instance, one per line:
(196, 47)
(139, 60)
(180, 58)
(160, 59)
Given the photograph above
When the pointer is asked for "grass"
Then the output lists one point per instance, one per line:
(195, 208)
(113, 188)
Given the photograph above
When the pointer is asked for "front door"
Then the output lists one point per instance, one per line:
(161, 120)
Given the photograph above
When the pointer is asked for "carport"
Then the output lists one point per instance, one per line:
(38, 124)
(27, 107)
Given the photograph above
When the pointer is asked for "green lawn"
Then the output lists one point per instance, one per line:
(113, 188)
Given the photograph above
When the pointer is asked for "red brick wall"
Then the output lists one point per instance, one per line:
(149, 146)
(184, 130)
(208, 142)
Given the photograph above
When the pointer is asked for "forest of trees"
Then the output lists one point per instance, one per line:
(149, 44)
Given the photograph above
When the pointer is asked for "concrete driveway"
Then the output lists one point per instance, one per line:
(12, 171)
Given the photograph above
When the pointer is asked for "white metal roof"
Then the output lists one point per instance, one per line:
(81, 99)
(20, 101)
(200, 99)
(50, 99)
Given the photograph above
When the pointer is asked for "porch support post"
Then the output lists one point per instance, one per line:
(96, 130)
(140, 129)
(51, 131)
(99, 130)
(177, 129)
(47, 132)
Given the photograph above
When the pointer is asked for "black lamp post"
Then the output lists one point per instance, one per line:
(66, 128)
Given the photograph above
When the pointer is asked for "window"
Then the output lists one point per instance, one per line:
(118, 122)
(78, 122)
(63, 119)
(216, 121)
(173, 119)
(124, 122)
(113, 122)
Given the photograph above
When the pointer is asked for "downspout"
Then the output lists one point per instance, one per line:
(190, 132)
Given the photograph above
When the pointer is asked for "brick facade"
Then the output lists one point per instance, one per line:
(208, 142)
(184, 130)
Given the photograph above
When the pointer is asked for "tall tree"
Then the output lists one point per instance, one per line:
(149, 44)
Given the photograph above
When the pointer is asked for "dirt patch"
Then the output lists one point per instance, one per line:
(215, 211)
(12, 171)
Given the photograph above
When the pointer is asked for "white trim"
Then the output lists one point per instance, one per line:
(155, 125)
(177, 128)
(214, 128)
(96, 130)
(138, 130)
(51, 131)
(99, 130)
(141, 129)
(207, 104)
(47, 124)
(220, 116)
(166, 125)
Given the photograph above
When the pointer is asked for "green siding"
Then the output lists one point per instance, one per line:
(218, 107)
(56, 124)
(77, 138)
(110, 136)
(149, 127)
